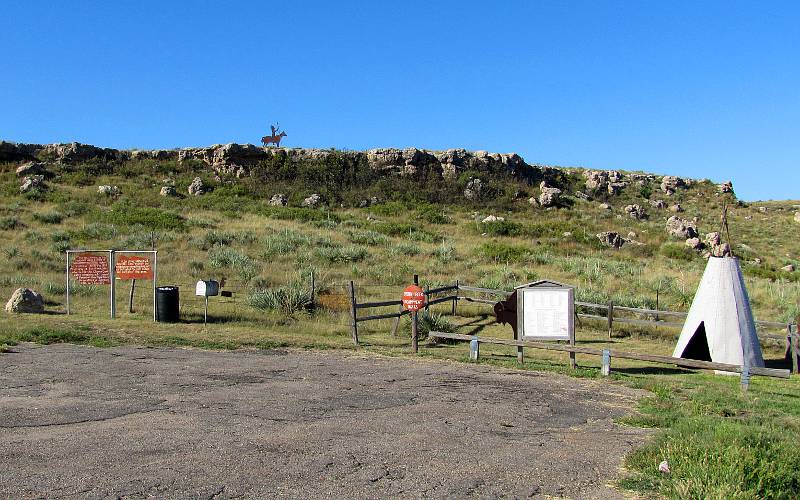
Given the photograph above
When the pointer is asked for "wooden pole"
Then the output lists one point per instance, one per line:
(455, 300)
(397, 320)
(130, 296)
(353, 322)
(414, 333)
(794, 342)
(313, 288)
(610, 317)
(573, 361)
(427, 291)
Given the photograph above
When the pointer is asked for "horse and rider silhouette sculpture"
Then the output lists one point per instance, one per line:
(275, 138)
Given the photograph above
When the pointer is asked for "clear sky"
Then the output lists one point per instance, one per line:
(699, 88)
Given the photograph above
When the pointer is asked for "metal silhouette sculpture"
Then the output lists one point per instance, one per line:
(275, 138)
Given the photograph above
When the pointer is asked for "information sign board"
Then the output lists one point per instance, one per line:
(133, 268)
(90, 269)
(546, 312)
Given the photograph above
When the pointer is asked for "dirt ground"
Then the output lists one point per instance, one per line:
(127, 422)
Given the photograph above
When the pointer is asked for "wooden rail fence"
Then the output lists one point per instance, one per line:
(612, 315)
(607, 354)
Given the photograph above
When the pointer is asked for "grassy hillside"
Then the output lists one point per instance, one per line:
(720, 443)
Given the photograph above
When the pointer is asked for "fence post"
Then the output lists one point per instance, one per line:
(353, 318)
(455, 300)
(67, 291)
(605, 370)
(474, 348)
(573, 362)
(745, 377)
(414, 333)
(313, 289)
(794, 340)
(397, 320)
(610, 317)
(427, 297)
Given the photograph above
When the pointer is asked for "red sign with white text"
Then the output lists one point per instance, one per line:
(89, 269)
(413, 298)
(133, 268)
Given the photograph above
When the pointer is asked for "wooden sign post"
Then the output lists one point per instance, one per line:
(413, 301)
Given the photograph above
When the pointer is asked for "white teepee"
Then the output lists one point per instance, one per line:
(720, 325)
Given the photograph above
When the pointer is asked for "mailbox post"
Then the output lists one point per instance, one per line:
(206, 289)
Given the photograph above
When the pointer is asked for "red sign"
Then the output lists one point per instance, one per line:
(133, 268)
(90, 269)
(413, 298)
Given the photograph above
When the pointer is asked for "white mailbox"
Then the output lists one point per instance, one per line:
(208, 288)
(546, 311)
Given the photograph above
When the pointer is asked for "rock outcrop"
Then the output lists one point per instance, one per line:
(108, 190)
(197, 187)
(670, 184)
(278, 200)
(31, 182)
(681, 228)
(550, 196)
(611, 239)
(313, 201)
(25, 300)
(635, 212)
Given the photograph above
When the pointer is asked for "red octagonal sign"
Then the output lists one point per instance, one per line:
(413, 298)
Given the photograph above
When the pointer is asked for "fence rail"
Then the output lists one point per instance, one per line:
(607, 354)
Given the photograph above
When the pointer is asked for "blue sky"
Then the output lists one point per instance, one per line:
(700, 89)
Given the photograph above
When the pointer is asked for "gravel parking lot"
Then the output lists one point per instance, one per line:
(127, 422)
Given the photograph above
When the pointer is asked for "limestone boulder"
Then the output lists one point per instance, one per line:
(32, 168)
(31, 182)
(168, 191)
(611, 239)
(25, 300)
(670, 184)
(197, 187)
(681, 228)
(475, 189)
(108, 190)
(549, 196)
(313, 201)
(278, 200)
(635, 212)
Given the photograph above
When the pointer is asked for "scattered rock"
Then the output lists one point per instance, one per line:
(32, 168)
(676, 208)
(549, 196)
(368, 202)
(715, 245)
(567, 234)
(635, 212)
(168, 191)
(663, 467)
(615, 188)
(533, 202)
(312, 201)
(671, 183)
(788, 268)
(474, 189)
(582, 196)
(25, 300)
(726, 187)
(611, 239)
(681, 228)
(659, 204)
(608, 180)
(31, 182)
(197, 188)
(757, 260)
(763, 210)
(493, 218)
(605, 206)
(695, 243)
(278, 200)
(632, 235)
(797, 217)
(108, 190)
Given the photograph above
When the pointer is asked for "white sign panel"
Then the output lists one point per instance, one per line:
(545, 313)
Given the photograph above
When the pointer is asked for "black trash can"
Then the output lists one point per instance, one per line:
(167, 304)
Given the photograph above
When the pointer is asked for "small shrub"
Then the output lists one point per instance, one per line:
(342, 255)
(428, 321)
(289, 299)
(502, 252)
(444, 253)
(8, 223)
(677, 252)
(150, 218)
(369, 238)
(501, 228)
(405, 248)
(241, 263)
(48, 217)
(11, 252)
(283, 243)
